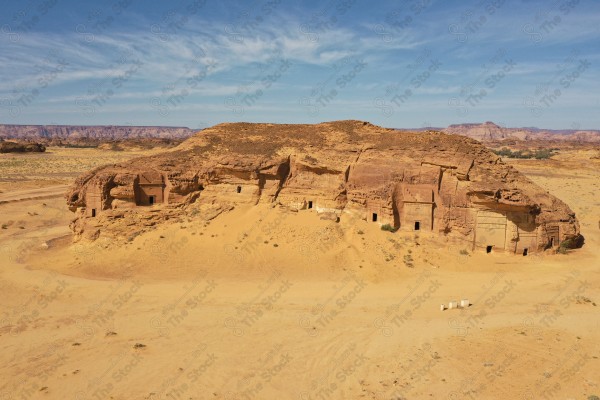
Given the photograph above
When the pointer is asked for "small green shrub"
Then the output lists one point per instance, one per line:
(541, 154)
(561, 250)
(566, 245)
(388, 228)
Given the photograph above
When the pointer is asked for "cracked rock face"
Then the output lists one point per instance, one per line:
(429, 181)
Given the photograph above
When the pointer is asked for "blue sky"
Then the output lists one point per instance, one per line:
(404, 64)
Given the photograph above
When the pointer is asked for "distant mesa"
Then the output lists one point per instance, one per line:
(413, 181)
(161, 136)
(72, 134)
(490, 132)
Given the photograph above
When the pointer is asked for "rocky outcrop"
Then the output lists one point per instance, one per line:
(21, 147)
(426, 181)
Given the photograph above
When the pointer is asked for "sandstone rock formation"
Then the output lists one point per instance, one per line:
(486, 132)
(426, 181)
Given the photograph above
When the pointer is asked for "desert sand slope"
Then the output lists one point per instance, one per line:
(265, 303)
(27, 194)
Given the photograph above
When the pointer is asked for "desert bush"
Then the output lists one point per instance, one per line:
(504, 152)
(464, 252)
(566, 245)
(541, 154)
(388, 228)
(21, 147)
(79, 146)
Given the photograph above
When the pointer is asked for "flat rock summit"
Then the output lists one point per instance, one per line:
(423, 181)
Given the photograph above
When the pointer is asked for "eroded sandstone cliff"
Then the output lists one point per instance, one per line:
(426, 181)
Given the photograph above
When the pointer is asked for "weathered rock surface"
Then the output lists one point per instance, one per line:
(427, 181)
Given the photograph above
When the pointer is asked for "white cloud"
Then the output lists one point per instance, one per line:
(238, 58)
(110, 55)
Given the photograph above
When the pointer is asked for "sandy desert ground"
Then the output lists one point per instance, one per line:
(262, 303)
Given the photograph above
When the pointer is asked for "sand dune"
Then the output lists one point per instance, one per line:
(266, 303)
(31, 194)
